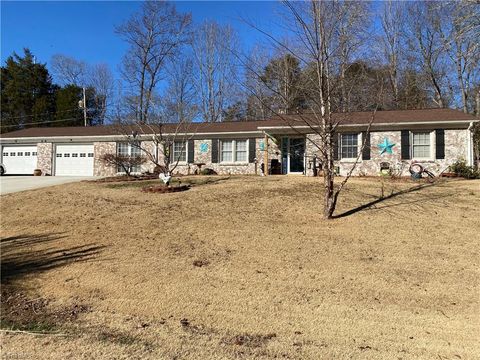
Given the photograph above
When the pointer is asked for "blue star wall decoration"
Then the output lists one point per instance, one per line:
(386, 147)
(203, 147)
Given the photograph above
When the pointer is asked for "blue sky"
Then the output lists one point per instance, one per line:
(85, 29)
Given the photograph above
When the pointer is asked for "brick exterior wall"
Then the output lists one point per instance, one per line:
(44, 158)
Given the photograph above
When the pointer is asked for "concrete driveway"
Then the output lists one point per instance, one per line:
(11, 184)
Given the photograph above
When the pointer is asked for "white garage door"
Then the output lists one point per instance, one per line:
(19, 159)
(74, 160)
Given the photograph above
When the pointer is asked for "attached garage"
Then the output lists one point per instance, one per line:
(74, 160)
(19, 160)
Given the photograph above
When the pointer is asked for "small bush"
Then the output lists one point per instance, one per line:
(463, 170)
(208, 171)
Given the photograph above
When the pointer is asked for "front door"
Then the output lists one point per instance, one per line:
(296, 151)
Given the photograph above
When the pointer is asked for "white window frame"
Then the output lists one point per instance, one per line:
(431, 145)
(359, 146)
(185, 150)
(129, 153)
(234, 151)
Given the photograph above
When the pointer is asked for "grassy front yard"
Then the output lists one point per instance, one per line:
(242, 268)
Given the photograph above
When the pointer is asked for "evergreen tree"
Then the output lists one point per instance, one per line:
(27, 94)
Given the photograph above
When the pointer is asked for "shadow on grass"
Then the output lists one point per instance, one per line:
(384, 198)
(19, 259)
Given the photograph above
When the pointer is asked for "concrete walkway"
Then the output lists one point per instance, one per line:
(11, 184)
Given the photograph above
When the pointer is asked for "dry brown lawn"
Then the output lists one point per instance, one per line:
(245, 268)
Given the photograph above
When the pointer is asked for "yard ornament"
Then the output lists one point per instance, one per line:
(165, 178)
(386, 147)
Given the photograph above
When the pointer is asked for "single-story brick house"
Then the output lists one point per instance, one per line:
(433, 137)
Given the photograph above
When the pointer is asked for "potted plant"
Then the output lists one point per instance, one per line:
(37, 172)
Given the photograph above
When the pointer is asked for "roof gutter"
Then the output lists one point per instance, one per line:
(454, 122)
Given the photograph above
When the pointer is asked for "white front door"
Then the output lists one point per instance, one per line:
(74, 160)
(19, 160)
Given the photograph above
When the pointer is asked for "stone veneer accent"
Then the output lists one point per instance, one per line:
(44, 158)
(228, 168)
(455, 149)
(99, 167)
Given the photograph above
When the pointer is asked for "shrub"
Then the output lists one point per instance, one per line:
(125, 162)
(208, 171)
(462, 169)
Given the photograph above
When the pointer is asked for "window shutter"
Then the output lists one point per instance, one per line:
(215, 151)
(366, 148)
(251, 150)
(440, 144)
(335, 146)
(170, 151)
(191, 151)
(405, 145)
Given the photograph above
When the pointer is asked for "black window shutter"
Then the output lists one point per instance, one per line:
(405, 145)
(335, 146)
(440, 143)
(366, 148)
(191, 151)
(214, 151)
(170, 151)
(251, 150)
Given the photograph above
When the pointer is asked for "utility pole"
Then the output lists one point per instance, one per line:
(84, 107)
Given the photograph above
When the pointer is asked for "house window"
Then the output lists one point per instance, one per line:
(27, 153)
(132, 150)
(12, 154)
(179, 151)
(349, 146)
(421, 145)
(34, 153)
(227, 151)
(241, 150)
(234, 151)
(59, 155)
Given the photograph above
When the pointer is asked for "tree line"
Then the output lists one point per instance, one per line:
(29, 97)
(392, 55)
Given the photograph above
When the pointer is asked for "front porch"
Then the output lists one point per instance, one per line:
(287, 155)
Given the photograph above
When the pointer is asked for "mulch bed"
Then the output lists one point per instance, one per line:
(165, 189)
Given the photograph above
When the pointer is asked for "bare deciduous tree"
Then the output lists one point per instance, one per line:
(314, 26)
(461, 44)
(215, 69)
(178, 101)
(154, 35)
(100, 78)
(353, 22)
(68, 70)
(427, 49)
(392, 42)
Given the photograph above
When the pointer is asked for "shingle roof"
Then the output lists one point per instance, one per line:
(381, 117)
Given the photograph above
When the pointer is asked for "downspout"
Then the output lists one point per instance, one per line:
(470, 145)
